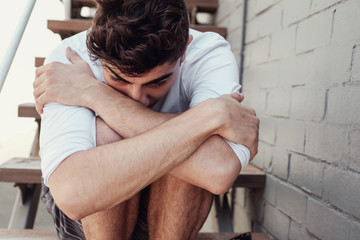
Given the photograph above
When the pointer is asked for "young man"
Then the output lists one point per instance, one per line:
(142, 127)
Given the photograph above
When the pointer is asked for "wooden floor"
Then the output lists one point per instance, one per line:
(25, 234)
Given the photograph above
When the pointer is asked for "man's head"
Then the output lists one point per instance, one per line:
(133, 37)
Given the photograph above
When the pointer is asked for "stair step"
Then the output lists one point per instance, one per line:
(209, 6)
(83, 3)
(21, 170)
(28, 170)
(67, 28)
(39, 61)
(35, 234)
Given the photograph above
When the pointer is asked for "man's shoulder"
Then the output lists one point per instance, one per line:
(204, 43)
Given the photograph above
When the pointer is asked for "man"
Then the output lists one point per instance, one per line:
(137, 132)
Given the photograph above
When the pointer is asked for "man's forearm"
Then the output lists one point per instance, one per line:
(128, 165)
(213, 166)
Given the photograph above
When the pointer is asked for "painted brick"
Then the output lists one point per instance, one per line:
(280, 163)
(225, 9)
(256, 100)
(330, 65)
(276, 222)
(307, 103)
(278, 102)
(268, 130)
(343, 30)
(290, 135)
(268, 74)
(306, 174)
(340, 97)
(265, 24)
(262, 5)
(295, 10)
(255, 204)
(251, 11)
(261, 51)
(270, 191)
(232, 20)
(298, 232)
(355, 65)
(263, 159)
(319, 5)
(296, 70)
(283, 44)
(328, 142)
(250, 73)
(341, 188)
(314, 32)
(292, 202)
(354, 230)
(233, 38)
(354, 161)
(326, 223)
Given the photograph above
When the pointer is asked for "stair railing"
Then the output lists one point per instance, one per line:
(14, 44)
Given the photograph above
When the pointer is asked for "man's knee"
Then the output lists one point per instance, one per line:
(105, 134)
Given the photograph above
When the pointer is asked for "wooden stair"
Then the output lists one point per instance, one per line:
(67, 28)
(31, 234)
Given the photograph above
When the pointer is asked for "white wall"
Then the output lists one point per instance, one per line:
(302, 76)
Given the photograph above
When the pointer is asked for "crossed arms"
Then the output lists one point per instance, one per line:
(189, 145)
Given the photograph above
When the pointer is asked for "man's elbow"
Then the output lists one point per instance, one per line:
(224, 178)
(69, 202)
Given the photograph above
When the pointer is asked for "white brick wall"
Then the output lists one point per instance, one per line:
(302, 76)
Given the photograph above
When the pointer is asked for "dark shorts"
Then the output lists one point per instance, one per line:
(69, 229)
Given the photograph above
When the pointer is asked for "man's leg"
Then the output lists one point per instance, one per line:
(115, 223)
(119, 221)
(176, 209)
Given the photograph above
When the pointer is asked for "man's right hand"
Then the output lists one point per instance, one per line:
(238, 123)
(63, 83)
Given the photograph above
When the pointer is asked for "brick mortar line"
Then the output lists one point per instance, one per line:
(322, 201)
(263, 11)
(317, 12)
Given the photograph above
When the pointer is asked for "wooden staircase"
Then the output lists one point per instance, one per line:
(26, 173)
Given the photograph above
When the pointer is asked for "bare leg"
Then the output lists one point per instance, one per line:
(119, 221)
(176, 209)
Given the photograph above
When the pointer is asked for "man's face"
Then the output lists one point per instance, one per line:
(147, 89)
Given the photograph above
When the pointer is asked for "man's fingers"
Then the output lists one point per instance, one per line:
(238, 96)
(73, 56)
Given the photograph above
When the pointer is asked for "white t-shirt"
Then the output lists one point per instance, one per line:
(209, 70)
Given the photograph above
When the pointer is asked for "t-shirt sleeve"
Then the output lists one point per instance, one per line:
(210, 72)
(64, 129)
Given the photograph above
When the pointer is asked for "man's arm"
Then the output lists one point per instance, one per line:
(131, 164)
(213, 167)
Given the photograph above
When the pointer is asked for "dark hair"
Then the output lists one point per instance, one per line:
(137, 35)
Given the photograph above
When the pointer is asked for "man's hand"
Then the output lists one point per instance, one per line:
(63, 83)
(238, 123)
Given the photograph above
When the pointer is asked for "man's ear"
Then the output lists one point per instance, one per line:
(189, 41)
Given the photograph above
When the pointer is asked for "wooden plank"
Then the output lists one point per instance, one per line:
(21, 170)
(83, 3)
(27, 234)
(223, 235)
(210, 28)
(209, 6)
(250, 177)
(70, 27)
(28, 110)
(39, 61)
